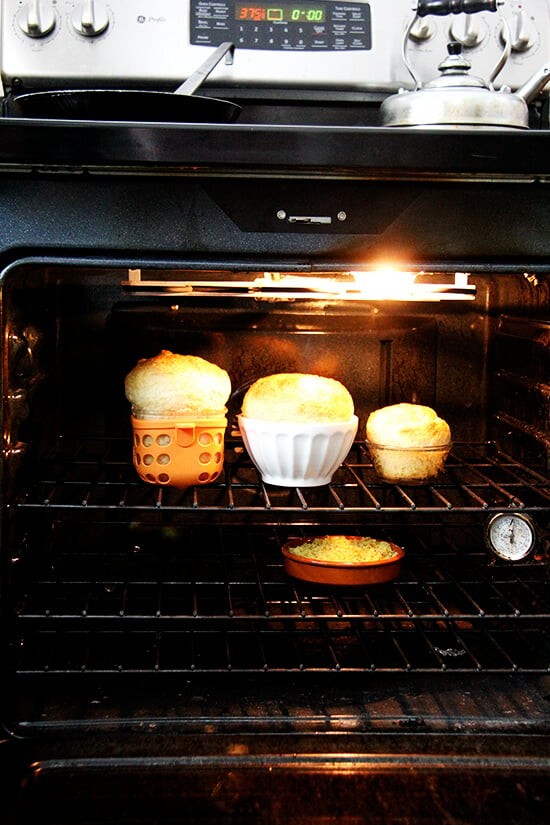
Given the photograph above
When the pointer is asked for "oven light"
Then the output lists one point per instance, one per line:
(307, 283)
(385, 284)
(393, 285)
(367, 285)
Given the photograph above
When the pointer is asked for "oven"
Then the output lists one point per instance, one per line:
(159, 662)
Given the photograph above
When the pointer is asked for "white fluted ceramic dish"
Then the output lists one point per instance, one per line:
(297, 455)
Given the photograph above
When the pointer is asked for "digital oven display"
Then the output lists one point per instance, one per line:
(282, 13)
(321, 26)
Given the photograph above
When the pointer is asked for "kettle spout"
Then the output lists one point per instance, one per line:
(535, 84)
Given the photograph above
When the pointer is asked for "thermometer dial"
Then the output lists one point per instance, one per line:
(511, 536)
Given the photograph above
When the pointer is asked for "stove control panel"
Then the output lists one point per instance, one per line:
(309, 44)
(312, 26)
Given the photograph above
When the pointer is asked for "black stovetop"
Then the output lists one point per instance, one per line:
(260, 148)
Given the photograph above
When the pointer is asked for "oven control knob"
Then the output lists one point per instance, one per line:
(421, 30)
(468, 30)
(522, 31)
(36, 18)
(90, 18)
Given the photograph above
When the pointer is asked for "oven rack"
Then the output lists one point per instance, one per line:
(97, 475)
(220, 601)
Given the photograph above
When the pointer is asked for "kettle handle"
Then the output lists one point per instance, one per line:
(404, 55)
(445, 7)
(506, 51)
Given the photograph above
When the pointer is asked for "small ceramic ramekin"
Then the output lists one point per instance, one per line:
(340, 573)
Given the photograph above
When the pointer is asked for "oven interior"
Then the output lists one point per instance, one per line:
(148, 626)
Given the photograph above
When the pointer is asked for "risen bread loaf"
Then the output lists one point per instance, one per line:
(407, 425)
(298, 398)
(171, 384)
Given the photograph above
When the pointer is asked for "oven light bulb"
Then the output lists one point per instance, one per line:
(385, 283)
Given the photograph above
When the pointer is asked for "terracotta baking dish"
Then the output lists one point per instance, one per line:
(336, 572)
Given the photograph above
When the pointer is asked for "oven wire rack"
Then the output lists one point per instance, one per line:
(239, 612)
(98, 475)
(115, 576)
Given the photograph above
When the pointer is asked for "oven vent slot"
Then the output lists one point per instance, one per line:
(364, 285)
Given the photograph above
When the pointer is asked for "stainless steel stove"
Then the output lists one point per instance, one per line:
(159, 663)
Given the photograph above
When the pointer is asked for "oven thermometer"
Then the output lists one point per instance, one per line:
(511, 536)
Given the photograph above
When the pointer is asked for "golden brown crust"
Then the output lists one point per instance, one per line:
(170, 384)
(298, 398)
(407, 425)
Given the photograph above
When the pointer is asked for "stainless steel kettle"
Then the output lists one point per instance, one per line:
(457, 99)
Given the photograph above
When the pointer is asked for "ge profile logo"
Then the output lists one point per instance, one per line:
(142, 19)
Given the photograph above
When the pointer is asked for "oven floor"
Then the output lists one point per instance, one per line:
(305, 708)
(379, 790)
(413, 751)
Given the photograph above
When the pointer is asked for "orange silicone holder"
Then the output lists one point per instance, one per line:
(178, 453)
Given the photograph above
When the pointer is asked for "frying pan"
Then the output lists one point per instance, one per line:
(180, 106)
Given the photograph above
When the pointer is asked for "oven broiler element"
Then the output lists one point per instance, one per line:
(386, 284)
